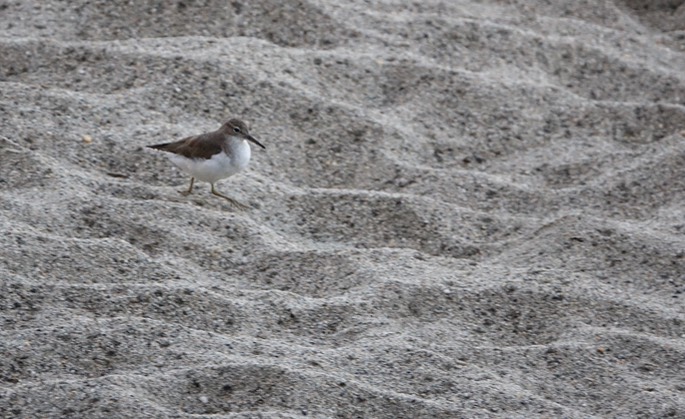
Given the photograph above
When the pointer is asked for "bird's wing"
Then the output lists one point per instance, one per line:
(199, 146)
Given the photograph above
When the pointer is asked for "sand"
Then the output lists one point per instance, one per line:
(465, 209)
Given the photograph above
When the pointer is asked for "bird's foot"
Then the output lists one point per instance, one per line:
(239, 205)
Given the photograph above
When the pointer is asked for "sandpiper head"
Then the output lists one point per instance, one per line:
(237, 128)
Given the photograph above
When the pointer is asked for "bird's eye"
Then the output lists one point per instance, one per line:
(236, 129)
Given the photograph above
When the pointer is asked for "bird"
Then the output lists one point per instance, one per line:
(213, 156)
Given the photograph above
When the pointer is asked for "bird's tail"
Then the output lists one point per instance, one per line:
(164, 146)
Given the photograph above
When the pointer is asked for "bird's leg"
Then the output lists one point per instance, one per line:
(186, 193)
(231, 200)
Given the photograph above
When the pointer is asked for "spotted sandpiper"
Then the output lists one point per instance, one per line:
(213, 156)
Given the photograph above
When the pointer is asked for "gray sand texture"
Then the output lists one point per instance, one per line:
(466, 209)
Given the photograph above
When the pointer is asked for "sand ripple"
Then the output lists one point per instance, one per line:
(466, 209)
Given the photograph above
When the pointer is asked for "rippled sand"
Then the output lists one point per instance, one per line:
(465, 209)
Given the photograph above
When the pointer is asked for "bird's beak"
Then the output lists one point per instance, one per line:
(251, 138)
